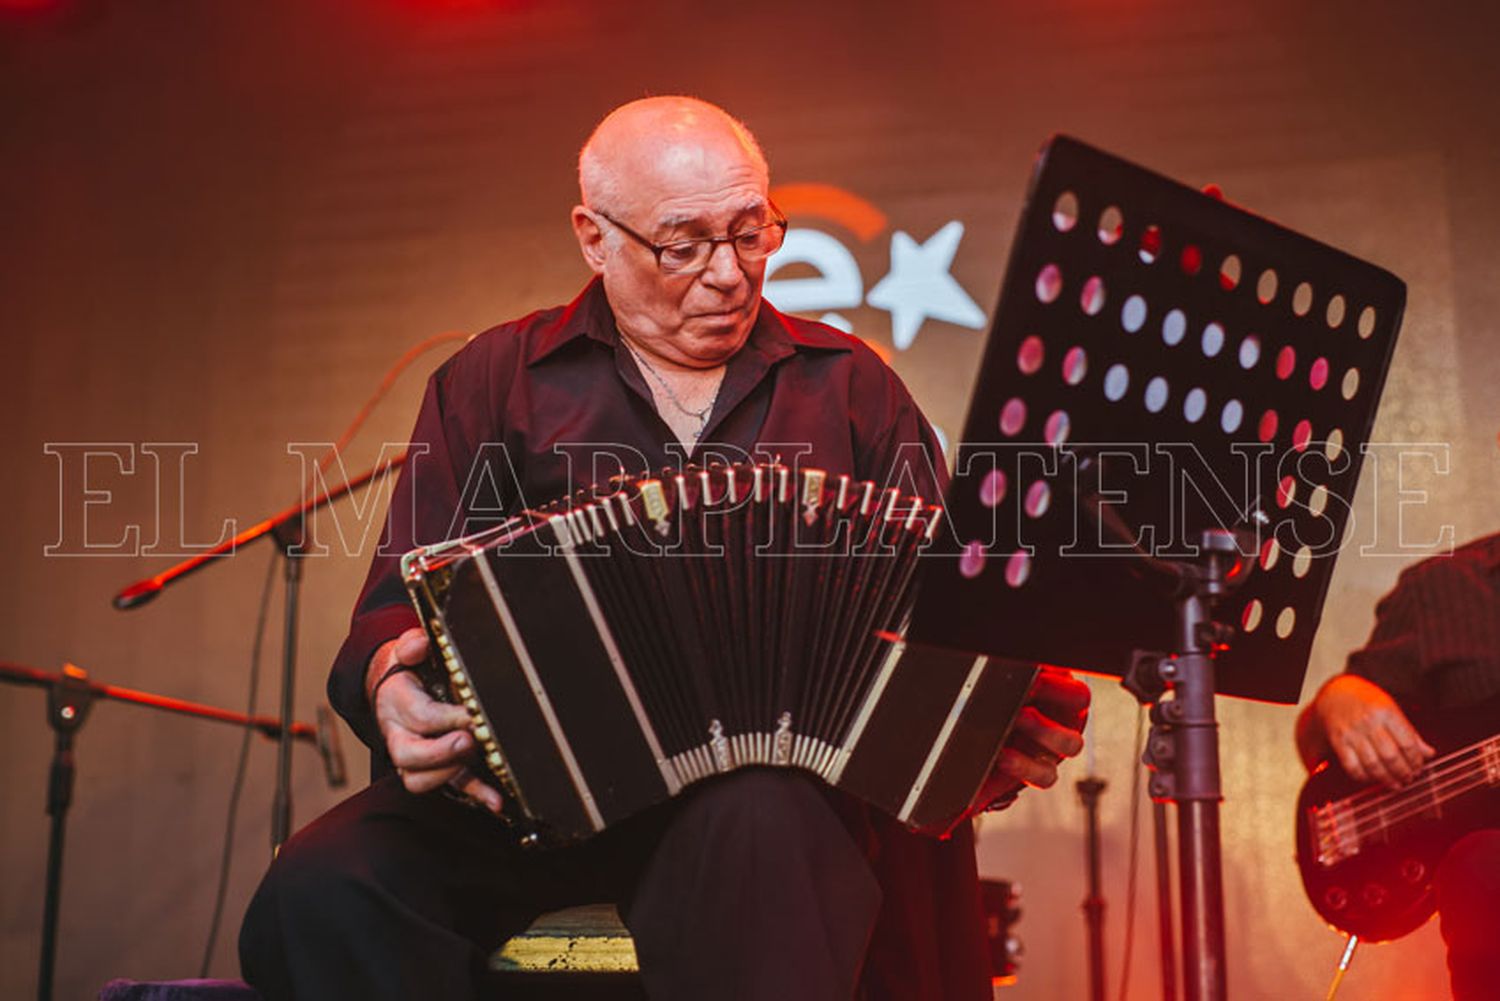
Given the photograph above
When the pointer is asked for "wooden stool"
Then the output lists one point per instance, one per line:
(579, 953)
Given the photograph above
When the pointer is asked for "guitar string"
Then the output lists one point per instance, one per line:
(1403, 805)
(1433, 766)
(1378, 826)
(1414, 805)
(1447, 779)
(1361, 803)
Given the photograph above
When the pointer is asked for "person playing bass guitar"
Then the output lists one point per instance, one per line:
(1397, 730)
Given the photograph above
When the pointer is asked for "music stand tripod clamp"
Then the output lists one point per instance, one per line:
(1183, 749)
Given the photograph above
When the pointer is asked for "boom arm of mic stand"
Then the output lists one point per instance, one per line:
(144, 590)
(269, 726)
(287, 529)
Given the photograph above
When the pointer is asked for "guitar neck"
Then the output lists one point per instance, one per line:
(1476, 766)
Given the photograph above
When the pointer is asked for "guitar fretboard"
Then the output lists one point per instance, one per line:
(1343, 826)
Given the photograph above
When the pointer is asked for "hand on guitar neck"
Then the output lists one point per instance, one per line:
(1359, 724)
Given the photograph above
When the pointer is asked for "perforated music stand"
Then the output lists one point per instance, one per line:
(1167, 426)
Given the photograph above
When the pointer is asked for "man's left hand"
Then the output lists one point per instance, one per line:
(1049, 729)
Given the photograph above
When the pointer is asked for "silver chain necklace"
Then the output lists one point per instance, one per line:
(701, 416)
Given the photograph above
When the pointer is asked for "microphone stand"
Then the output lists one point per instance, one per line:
(288, 530)
(288, 536)
(1090, 788)
(70, 696)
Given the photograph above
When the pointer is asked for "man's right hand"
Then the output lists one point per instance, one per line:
(426, 739)
(1368, 732)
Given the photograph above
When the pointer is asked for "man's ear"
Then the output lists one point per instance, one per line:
(590, 238)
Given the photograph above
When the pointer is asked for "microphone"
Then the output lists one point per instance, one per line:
(137, 594)
(328, 748)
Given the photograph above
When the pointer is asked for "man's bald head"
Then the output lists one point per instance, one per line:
(677, 176)
(642, 141)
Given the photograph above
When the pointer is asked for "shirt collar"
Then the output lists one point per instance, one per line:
(774, 336)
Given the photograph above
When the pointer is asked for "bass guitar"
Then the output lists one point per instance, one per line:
(1367, 853)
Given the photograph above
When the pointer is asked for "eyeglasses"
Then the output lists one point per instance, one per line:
(688, 257)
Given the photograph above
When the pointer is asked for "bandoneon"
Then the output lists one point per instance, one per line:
(618, 646)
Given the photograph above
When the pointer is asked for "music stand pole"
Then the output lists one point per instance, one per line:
(1196, 787)
(1183, 751)
(1166, 928)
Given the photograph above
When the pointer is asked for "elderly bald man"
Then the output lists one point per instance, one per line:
(757, 885)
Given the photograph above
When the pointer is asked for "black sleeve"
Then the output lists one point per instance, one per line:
(1392, 657)
(455, 417)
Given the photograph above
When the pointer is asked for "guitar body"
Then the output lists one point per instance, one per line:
(1368, 854)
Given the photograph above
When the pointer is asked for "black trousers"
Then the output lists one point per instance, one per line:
(749, 887)
(1468, 899)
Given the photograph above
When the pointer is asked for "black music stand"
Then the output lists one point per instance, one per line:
(1167, 426)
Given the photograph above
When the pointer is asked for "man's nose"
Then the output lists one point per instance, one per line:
(723, 270)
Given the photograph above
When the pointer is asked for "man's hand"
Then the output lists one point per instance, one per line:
(1049, 729)
(1366, 731)
(426, 739)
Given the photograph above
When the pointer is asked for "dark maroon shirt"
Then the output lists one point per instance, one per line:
(1436, 641)
(553, 402)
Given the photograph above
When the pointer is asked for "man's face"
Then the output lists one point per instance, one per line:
(710, 187)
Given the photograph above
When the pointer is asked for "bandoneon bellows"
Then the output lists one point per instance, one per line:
(616, 647)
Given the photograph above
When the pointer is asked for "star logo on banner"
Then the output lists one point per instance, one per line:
(919, 286)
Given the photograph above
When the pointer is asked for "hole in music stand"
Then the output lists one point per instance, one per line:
(1335, 312)
(1213, 340)
(1150, 244)
(992, 488)
(1030, 356)
(1229, 273)
(1111, 226)
(1351, 384)
(1116, 383)
(1091, 299)
(1249, 351)
(1173, 327)
(1302, 299)
(1065, 212)
(1194, 404)
(1265, 288)
(1317, 373)
(1049, 283)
